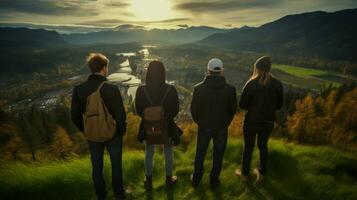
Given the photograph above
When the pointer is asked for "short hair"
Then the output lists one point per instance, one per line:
(96, 62)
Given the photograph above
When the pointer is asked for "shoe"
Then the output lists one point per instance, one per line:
(126, 193)
(170, 181)
(148, 183)
(243, 177)
(259, 181)
(194, 185)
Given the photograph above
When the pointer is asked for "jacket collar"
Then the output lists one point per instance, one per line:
(97, 77)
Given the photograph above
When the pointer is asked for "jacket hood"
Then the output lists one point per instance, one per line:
(214, 81)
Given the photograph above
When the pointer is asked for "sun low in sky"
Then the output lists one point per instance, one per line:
(158, 13)
(151, 10)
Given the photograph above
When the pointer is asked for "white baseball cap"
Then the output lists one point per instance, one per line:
(215, 65)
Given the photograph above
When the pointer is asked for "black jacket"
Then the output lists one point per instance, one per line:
(170, 105)
(214, 103)
(111, 97)
(261, 101)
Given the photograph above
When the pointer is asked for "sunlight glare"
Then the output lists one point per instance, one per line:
(150, 10)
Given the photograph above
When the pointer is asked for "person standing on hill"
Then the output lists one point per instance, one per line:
(262, 95)
(157, 104)
(98, 112)
(213, 106)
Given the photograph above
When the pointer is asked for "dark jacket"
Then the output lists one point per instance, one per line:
(261, 101)
(214, 103)
(111, 97)
(170, 105)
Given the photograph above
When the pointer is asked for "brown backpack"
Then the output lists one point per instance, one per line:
(99, 125)
(155, 122)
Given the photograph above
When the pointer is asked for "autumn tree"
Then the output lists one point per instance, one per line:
(62, 145)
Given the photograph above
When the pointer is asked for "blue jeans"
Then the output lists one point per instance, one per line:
(149, 159)
(204, 137)
(114, 147)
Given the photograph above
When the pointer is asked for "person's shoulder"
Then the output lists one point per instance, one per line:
(140, 89)
(110, 86)
(170, 86)
(79, 86)
(199, 85)
(251, 83)
(276, 81)
(230, 88)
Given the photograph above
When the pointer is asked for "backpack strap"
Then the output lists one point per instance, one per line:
(162, 100)
(100, 86)
(165, 95)
(147, 95)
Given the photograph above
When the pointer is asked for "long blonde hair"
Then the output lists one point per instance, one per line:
(262, 70)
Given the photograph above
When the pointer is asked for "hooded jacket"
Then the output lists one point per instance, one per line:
(214, 103)
(260, 101)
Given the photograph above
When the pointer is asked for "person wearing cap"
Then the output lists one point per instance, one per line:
(213, 106)
(262, 95)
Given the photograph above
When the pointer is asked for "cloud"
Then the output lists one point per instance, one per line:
(115, 22)
(117, 4)
(228, 5)
(183, 25)
(45, 7)
(130, 26)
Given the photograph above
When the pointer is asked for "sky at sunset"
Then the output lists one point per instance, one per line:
(159, 13)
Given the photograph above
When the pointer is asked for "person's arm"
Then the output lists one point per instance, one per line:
(172, 104)
(245, 98)
(280, 95)
(194, 106)
(139, 101)
(115, 105)
(77, 115)
(233, 103)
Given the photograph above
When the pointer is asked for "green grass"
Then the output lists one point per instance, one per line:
(294, 172)
(299, 71)
(314, 77)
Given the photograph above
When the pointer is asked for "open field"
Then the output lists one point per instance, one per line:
(307, 77)
(295, 172)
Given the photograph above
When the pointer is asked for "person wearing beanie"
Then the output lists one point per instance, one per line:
(213, 106)
(262, 95)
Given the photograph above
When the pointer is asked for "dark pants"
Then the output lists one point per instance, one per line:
(204, 137)
(114, 148)
(250, 130)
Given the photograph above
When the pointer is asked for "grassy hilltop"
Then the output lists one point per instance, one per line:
(295, 172)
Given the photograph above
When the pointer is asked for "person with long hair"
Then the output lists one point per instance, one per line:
(156, 92)
(262, 95)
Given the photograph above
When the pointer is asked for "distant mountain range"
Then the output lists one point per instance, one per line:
(316, 34)
(322, 34)
(130, 33)
(25, 37)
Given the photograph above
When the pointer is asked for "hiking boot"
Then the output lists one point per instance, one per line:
(243, 177)
(259, 181)
(148, 183)
(171, 180)
(194, 185)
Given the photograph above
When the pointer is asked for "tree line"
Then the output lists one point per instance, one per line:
(324, 118)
